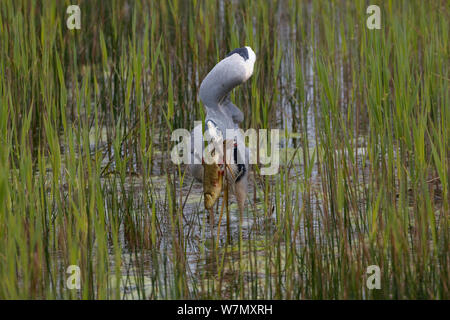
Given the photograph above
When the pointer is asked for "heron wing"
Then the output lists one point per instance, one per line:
(234, 111)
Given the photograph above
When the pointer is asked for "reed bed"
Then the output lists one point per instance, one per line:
(85, 134)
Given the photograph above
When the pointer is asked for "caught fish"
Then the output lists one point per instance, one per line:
(212, 183)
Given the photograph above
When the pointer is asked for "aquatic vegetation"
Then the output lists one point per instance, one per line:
(85, 177)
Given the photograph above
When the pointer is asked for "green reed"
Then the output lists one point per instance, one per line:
(85, 131)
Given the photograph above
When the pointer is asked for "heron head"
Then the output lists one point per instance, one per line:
(247, 57)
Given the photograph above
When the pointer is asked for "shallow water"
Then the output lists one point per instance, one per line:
(202, 252)
(307, 232)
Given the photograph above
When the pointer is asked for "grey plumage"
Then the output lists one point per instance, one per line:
(215, 88)
(233, 70)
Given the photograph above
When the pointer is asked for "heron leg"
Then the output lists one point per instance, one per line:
(240, 191)
(225, 200)
(220, 221)
(211, 221)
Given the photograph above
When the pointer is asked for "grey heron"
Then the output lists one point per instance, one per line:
(221, 114)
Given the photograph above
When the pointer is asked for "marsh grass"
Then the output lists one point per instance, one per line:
(85, 126)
